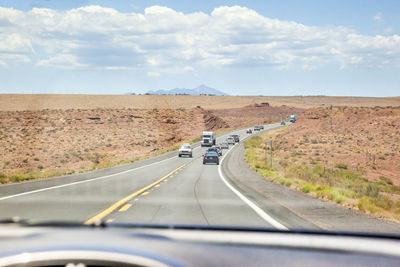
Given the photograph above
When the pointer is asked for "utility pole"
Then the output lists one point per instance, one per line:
(266, 153)
(271, 152)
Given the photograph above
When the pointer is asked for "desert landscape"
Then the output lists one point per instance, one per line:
(52, 142)
(342, 149)
(349, 155)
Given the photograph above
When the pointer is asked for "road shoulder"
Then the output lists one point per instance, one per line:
(295, 209)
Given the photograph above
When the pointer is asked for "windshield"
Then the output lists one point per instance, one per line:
(98, 97)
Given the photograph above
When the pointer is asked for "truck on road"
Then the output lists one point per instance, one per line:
(208, 138)
(293, 118)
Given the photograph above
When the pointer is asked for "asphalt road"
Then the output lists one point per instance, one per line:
(168, 189)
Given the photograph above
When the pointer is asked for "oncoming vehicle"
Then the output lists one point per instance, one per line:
(283, 123)
(211, 157)
(185, 150)
(257, 128)
(261, 127)
(224, 145)
(249, 131)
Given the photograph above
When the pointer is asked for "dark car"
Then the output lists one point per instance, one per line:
(235, 137)
(257, 128)
(283, 123)
(216, 149)
(261, 127)
(211, 157)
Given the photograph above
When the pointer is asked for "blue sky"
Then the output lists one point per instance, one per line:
(239, 47)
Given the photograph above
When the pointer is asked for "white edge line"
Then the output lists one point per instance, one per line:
(88, 180)
(257, 209)
(81, 182)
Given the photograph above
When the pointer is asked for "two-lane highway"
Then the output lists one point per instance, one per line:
(182, 190)
(172, 190)
(197, 194)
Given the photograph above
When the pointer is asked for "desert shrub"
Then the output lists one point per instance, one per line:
(372, 190)
(386, 180)
(341, 165)
(306, 188)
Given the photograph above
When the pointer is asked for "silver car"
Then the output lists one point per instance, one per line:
(224, 145)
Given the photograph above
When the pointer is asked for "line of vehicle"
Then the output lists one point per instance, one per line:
(121, 202)
(265, 216)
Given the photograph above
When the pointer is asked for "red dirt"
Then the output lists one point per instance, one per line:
(365, 139)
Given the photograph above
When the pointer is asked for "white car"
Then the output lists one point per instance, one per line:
(185, 150)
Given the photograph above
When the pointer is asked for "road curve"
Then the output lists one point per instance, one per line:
(80, 197)
(173, 190)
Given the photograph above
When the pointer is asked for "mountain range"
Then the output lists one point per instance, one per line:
(201, 89)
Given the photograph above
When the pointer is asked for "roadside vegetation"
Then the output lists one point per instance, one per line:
(314, 171)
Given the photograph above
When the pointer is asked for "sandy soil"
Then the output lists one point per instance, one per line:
(364, 139)
(19, 102)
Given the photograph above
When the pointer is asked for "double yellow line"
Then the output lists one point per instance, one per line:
(121, 202)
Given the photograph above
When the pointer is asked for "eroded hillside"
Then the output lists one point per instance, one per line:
(54, 142)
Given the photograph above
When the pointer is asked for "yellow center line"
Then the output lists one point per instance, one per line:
(145, 193)
(157, 185)
(121, 202)
(125, 207)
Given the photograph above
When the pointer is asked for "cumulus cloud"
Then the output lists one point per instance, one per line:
(163, 40)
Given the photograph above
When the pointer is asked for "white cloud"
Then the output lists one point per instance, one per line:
(153, 74)
(162, 40)
(378, 17)
(62, 61)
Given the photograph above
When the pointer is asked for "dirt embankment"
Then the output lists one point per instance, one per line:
(364, 139)
(211, 121)
(54, 142)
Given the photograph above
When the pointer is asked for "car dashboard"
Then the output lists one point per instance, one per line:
(190, 246)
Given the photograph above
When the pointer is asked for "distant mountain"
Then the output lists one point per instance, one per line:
(201, 89)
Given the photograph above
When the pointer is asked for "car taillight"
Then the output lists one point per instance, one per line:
(205, 157)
